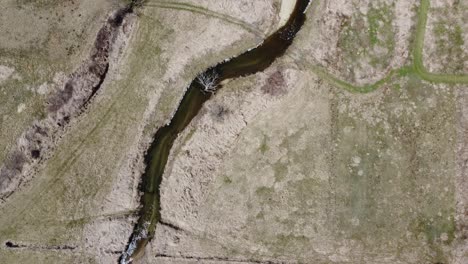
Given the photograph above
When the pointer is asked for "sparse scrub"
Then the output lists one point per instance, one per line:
(367, 42)
(449, 43)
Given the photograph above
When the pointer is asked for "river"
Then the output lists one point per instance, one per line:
(201, 89)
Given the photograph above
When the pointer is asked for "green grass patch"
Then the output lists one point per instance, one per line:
(416, 69)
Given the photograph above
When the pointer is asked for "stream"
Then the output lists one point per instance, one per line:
(200, 90)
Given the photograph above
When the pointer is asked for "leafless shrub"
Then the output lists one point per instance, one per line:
(40, 130)
(103, 41)
(5, 178)
(274, 84)
(61, 98)
(117, 19)
(35, 153)
(208, 80)
(219, 112)
(16, 161)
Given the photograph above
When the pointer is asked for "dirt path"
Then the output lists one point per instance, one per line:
(210, 13)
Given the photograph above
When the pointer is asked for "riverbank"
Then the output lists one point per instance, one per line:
(200, 90)
(287, 7)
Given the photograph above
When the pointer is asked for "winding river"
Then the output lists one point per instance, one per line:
(200, 90)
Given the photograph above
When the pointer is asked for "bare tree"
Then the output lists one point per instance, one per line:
(208, 81)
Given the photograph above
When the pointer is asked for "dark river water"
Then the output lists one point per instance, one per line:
(200, 90)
